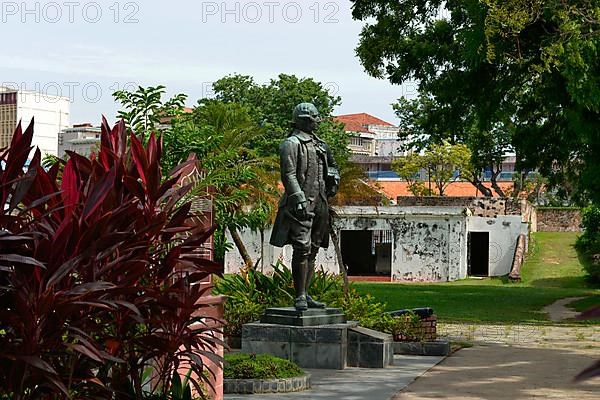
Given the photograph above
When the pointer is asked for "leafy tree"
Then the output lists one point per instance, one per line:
(409, 169)
(528, 71)
(242, 183)
(271, 106)
(144, 108)
(445, 163)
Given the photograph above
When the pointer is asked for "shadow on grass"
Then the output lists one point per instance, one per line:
(564, 282)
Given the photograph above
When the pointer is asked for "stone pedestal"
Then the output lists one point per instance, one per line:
(310, 317)
(321, 346)
(317, 338)
(369, 349)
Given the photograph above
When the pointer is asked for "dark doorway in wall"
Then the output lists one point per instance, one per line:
(356, 252)
(479, 254)
(367, 253)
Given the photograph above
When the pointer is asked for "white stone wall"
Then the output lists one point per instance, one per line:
(429, 242)
(266, 255)
(504, 231)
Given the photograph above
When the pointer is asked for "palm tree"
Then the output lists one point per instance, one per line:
(243, 184)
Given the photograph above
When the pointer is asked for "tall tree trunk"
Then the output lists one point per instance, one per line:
(481, 187)
(497, 188)
(240, 246)
(262, 250)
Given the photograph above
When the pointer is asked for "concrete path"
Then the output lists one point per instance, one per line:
(507, 372)
(357, 383)
(512, 362)
(558, 311)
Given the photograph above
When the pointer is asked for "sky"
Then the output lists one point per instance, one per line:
(86, 50)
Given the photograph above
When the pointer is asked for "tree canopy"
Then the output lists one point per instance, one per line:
(494, 74)
(271, 106)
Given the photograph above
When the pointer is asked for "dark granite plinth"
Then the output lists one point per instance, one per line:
(323, 346)
(310, 317)
(369, 349)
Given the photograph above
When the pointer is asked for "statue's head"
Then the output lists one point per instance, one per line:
(306, 117)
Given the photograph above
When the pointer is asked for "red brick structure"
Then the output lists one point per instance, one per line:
(427, 331)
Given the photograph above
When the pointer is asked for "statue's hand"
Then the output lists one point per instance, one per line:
(300, 212)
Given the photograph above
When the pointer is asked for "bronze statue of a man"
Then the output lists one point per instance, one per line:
(310, 176)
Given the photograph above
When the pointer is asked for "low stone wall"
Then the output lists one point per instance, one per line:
(488, 207)
(558, 219)
(248, 386)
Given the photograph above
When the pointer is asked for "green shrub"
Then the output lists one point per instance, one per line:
(239, 313)
(250, 292)
(371, 314)
(259, 366)
(407, 327)
(590, 220)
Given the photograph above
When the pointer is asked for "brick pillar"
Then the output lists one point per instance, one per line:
(429, 328)
(427, 331)
(215, 310)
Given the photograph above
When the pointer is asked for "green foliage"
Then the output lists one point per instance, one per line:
(178, 390)
(588, 244)
(271, 106)
(250, 292)
(496, 75)
(441, 161)
(407, 328)
(242, 183)
(144, 108)
(371, 313)
(259, 366)
(238, 313)
(409, 167)
(590, 220)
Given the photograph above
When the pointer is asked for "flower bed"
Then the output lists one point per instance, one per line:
(263, 373)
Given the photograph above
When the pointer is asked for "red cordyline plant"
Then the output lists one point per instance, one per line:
(99, 274)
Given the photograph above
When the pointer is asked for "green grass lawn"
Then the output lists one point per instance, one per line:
(551, 272)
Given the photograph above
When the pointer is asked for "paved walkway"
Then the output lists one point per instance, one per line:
(507, 372)
(357, 383)
(512, 362)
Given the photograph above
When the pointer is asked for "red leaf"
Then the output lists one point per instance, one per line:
(139, 157)
(70, 187)
(99, 193)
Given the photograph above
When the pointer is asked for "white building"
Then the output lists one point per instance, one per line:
(81, 139)
(51, 113)
(438, 243)
(374, 143)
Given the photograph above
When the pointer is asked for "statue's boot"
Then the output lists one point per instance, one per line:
(311, 270)
(299, 273)
(301, 303)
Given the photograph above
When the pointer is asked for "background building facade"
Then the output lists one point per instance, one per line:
(51, 113)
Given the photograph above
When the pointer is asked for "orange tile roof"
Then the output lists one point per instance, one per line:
(359, 122)
(393, 189)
